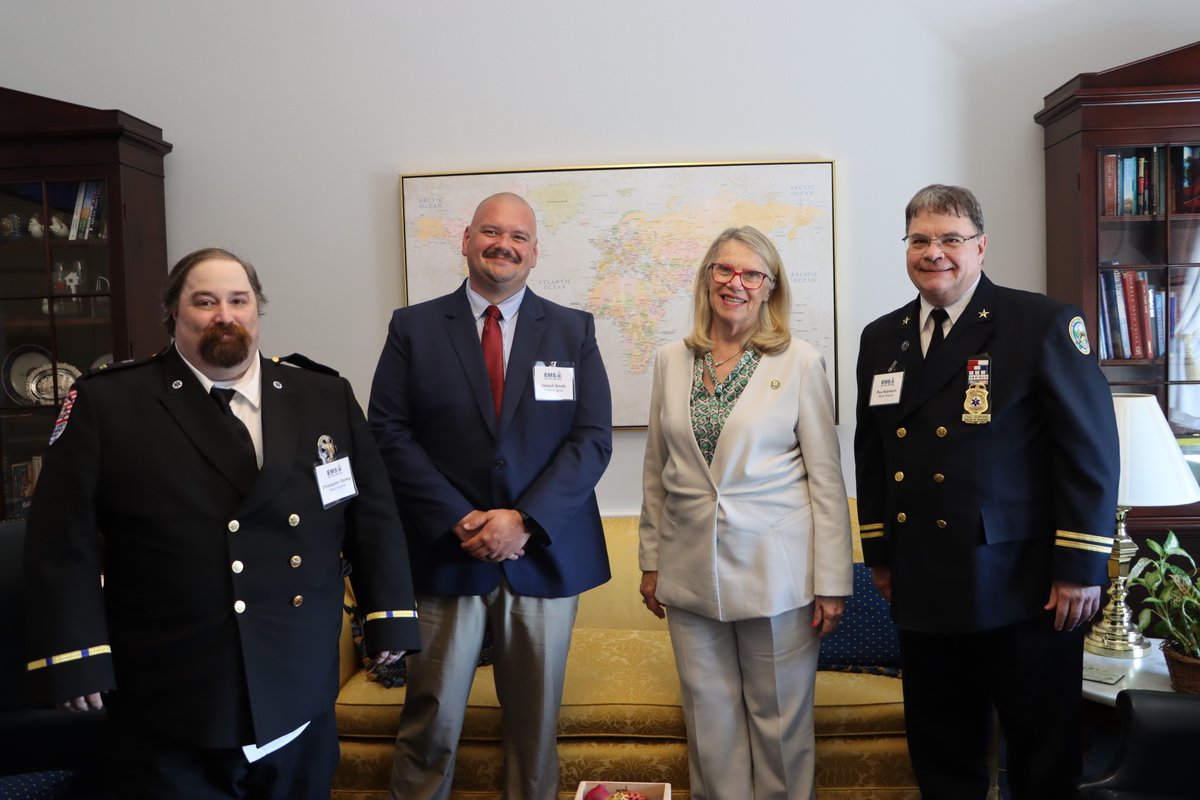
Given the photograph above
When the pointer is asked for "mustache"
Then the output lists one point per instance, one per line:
(496, 251)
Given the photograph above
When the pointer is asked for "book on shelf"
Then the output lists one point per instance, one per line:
(1155, 188)
(90, 199)
(1148, 322)
(1139, 190)
(1118, 324)
(73, 231)
(1128, 178)
(1189, 180)
(1133, 313)
(1102, 328)
(1160, 320)
(94, 201)
(1109, 177)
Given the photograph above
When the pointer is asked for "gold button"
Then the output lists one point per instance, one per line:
(938, 477)
(899, 477)
(239, 606)
(234, 525)
(941, 432)
(294, 520)
(295, 561)
(237, 566)
(901, 433)
(901, 517)
(298, 600)
(941, 523)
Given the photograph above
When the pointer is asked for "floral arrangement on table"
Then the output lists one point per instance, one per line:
(1173, 597)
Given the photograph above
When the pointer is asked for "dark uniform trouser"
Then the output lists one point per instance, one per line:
(1030, 672)
(150, 768)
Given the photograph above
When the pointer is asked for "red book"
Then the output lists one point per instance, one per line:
(1133, 307)
(1110, 185)
(1147, 315)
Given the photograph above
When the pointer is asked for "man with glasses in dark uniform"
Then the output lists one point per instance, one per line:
(987, 460)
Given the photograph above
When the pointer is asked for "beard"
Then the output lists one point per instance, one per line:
(225, 345)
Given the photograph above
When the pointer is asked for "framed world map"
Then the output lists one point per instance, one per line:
(625, 242)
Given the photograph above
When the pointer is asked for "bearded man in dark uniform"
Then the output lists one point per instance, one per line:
(186, 550)
(987, 460)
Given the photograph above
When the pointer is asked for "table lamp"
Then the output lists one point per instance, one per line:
(1153, 473)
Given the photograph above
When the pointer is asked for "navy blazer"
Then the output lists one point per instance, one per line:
(432, 415)
(222, 604)
(976, 520)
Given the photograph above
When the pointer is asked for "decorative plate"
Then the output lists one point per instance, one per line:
(19, 362)
(47, 384)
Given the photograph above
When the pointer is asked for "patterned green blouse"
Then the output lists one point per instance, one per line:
(709, 411)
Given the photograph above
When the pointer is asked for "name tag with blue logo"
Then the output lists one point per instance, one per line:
(553, 382)
(335, 480)
(885, 388)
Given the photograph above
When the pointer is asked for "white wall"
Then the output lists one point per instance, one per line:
(292, 121)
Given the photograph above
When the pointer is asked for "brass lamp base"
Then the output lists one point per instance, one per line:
(1115, 635)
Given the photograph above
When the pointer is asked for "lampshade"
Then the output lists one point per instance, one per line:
(1153, 470)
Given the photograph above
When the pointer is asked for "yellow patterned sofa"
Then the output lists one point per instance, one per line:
(620, 716)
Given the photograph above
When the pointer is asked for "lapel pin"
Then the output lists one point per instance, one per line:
(176, 384)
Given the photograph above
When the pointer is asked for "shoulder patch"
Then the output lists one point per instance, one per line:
(1079, 335)
(297, 360)
(64, 414)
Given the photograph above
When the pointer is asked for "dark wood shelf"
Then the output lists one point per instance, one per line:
(49, 151)
(1149, 109)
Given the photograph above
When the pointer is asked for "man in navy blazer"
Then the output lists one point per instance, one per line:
(494, 468)
(987, 459)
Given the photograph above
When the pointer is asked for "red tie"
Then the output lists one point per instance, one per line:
(493, 354)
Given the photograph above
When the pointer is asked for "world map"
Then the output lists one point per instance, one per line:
(625, 243)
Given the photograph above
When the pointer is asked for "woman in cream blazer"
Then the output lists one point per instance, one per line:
(745, 530)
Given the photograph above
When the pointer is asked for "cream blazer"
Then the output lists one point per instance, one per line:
(766, 527)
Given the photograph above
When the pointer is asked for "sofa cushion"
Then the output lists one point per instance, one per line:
(866, 641)
(622, 684)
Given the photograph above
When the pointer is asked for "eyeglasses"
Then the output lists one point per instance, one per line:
(751, 279)
(919, 242)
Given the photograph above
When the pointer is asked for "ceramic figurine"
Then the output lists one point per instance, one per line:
(58, 227)
(35, 226)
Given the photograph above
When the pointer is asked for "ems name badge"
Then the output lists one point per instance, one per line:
(976, 402)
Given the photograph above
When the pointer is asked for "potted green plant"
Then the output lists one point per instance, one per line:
(1173, 597)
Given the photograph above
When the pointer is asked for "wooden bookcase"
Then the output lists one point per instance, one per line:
(83, 254)
(1123, 238)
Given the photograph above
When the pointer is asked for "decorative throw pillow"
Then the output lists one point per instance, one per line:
(396, 674)
(866, 641)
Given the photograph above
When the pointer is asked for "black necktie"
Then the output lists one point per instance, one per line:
(223, 396)
(939, 315)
